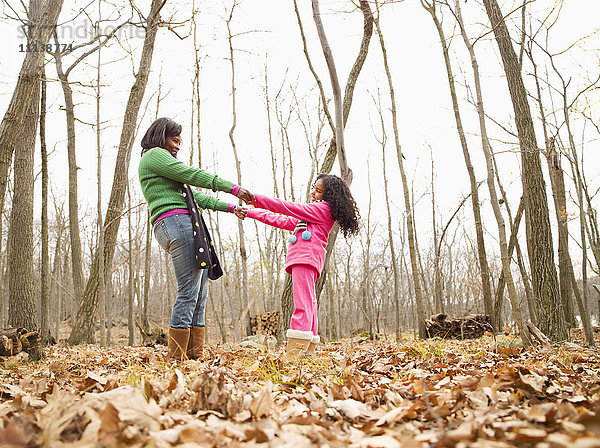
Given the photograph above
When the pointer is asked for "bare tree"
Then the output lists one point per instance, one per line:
(83, 328)
(39, 31)
(243, 254)
(537, 220)
(330, 155)
(431, 8)
(45, 262)
(407, 202)
(394, 261)
(506, 271)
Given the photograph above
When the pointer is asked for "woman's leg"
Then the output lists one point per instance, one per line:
(198, 316)
(175, 235)
(195, 349)
(305, 299)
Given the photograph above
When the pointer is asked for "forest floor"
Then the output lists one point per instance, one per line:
(358, 393)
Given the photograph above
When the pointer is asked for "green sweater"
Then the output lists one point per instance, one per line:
(160, 175)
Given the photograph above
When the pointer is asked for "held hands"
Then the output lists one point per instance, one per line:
(245, 195)
(240, 212)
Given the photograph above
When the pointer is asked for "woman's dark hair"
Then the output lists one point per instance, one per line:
(158, 132)
(342, 205)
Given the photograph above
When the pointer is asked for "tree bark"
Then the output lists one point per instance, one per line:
(10, 127)
(83, 328)
(243, 253)
(76, 258)
(21, 283)
(407, 202)
(504, 253)
(539, 234)
(45, 262)
(484, 269)
(327, 164)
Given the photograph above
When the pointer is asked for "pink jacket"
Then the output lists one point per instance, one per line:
(316, 214)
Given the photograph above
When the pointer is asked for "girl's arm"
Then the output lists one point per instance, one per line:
(317, 212)
(279, 221)
(160, 162)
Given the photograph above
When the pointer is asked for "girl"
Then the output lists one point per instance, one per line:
(180, 229)
(331, 201)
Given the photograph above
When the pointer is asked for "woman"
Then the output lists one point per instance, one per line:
(180, 230)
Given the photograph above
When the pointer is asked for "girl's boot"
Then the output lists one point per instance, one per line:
(313, 344)
(298, 342)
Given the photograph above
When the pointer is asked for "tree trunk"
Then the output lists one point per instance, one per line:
(504, 253)
(83, 328)
(246, 306)
(147, 265)
(287, 306)
(45, 262)
(130, 284)
(21, 282)
(104, 332)
(76, 258)
(539, 235)
(29, 76)
(481, 252)
(407, 203)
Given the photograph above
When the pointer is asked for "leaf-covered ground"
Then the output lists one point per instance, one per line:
(358, 393)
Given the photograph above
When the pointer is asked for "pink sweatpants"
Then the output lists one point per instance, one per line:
(305, 299)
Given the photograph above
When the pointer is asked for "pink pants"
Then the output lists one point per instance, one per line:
(305, 299)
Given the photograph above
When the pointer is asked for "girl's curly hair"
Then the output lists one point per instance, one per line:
(342, 205)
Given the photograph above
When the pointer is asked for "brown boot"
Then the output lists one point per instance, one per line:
(298, 342)
(178, 341)
(195, 348)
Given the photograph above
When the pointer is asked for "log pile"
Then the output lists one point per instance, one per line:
(469, 327)
(16, 340)
(152, 338)
(265, 323)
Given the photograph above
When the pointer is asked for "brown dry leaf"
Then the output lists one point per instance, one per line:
(177, 385)
(534, 380)
(464, 431)
(196, 435)
(405, 410)
(529, 434)
(13, 436)
(262, 404)
(109, 425)
(351, 408)
(586, 442)
(541, 413)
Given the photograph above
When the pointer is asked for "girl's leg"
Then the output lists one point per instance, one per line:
(175, 235)
(305, 300)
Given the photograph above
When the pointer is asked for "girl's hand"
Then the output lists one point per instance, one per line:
(245, 195)
(240, 212)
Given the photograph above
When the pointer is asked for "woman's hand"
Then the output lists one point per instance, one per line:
(240, 212)
(245, 195)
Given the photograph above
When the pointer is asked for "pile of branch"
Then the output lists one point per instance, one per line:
(469, 327)
(153, 337)
(264, 323)
(16, 340)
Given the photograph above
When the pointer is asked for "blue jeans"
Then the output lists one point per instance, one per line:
(175, 235)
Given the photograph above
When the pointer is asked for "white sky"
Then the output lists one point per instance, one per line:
(425, 111)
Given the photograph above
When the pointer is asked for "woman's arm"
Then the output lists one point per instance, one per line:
(210, 203)
(160, 162)
(279, 221)
(317, 212)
